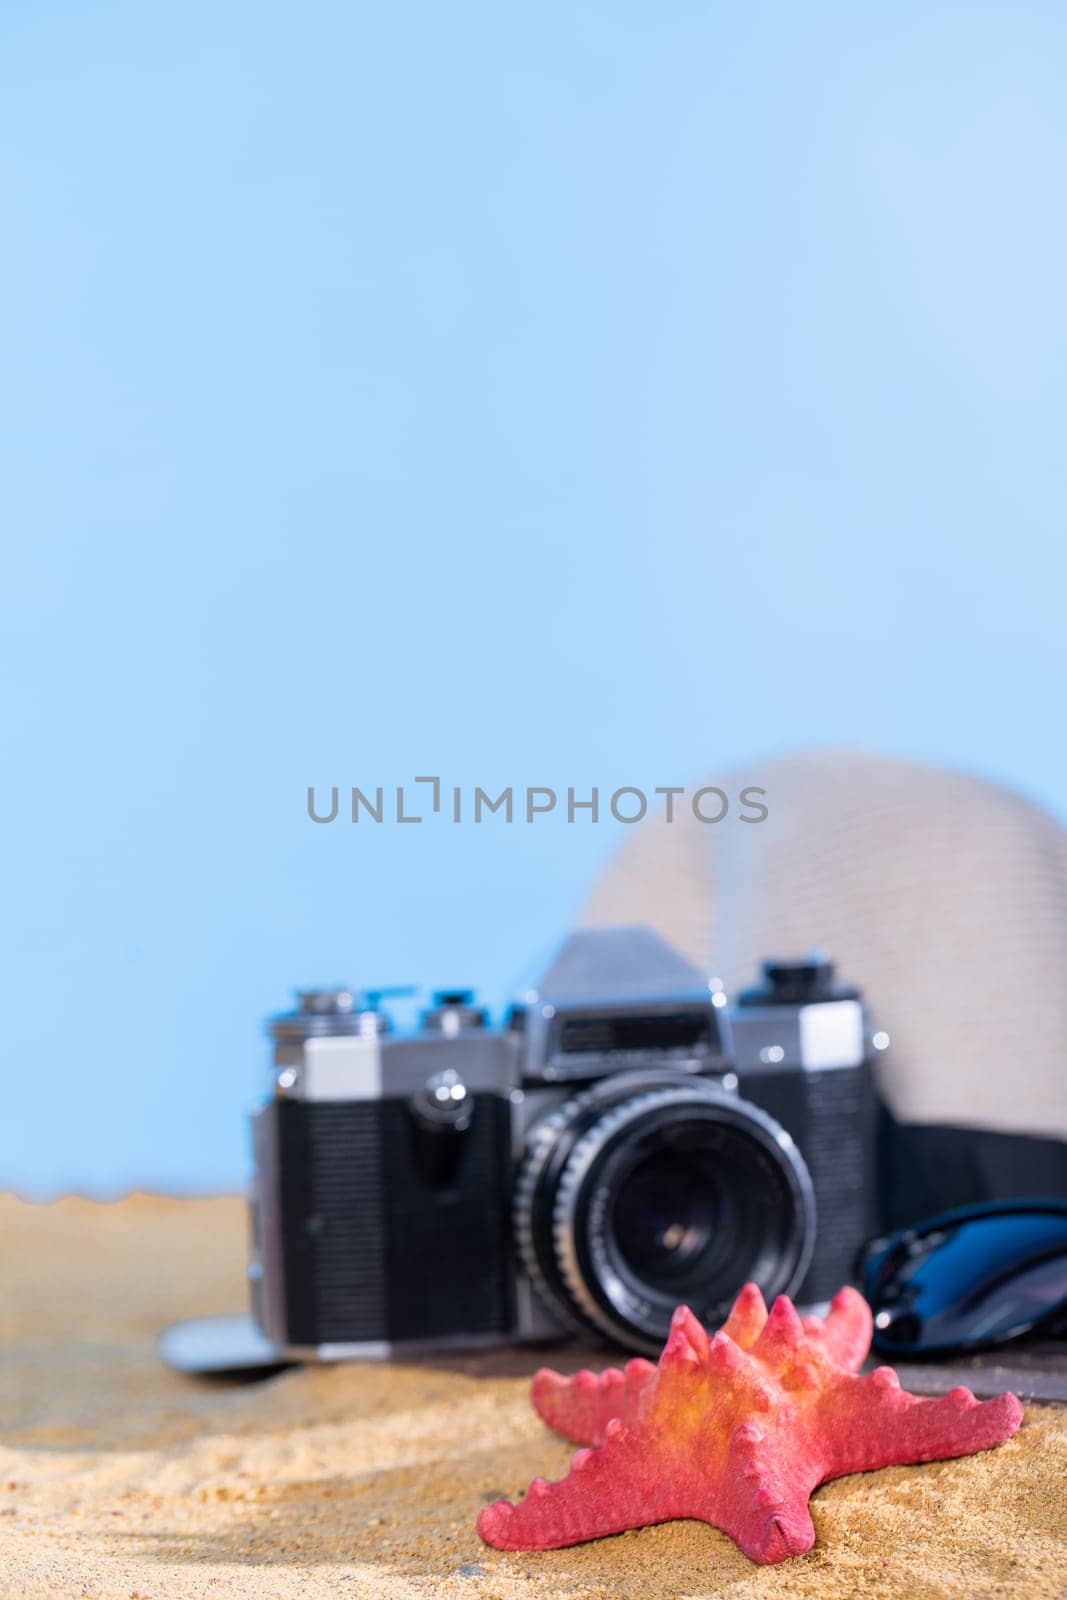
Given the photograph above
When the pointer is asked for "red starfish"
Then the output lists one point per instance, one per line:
(736, 1430)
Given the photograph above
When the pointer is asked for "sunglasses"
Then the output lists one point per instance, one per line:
(969, 1279)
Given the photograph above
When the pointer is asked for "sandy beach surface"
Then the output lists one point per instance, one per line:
(118, 1478)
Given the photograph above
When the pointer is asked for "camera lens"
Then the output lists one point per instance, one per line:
(642, 1194)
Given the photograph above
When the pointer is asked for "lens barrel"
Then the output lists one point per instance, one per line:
(652, 1190)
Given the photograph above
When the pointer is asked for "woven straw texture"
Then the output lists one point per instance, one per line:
(943, 896)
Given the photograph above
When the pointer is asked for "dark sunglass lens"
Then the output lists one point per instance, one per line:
(971, 1282)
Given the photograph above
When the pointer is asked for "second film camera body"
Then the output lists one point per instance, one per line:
(625, 1143)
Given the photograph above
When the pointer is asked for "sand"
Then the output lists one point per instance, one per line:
(118, 1478)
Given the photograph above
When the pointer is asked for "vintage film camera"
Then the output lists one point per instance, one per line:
(626, 1141)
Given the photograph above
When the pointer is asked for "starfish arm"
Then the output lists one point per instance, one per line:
(845, 1334)
(607, 1490)
(745, 1322)
(782, 1336)
(581, 1407)
(769, 1528)
(687, 1341)
(762, 1500)
(880, 1425)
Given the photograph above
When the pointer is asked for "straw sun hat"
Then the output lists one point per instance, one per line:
(944, 897)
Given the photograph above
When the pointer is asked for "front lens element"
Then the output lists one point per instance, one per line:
(667, 1213)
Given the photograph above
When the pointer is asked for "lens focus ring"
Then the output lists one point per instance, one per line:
(530, 1238)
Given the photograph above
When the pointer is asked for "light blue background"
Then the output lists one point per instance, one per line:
(561, 393)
